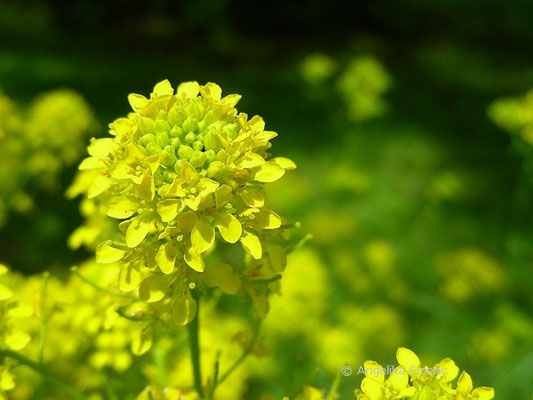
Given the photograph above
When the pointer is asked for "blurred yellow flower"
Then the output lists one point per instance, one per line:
(468, 271)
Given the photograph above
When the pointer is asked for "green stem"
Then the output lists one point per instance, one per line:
(332, 395)
(211, 391)
(244, 354)
(70, 390)
(195, 350)
(266, 281)
(76, 272)
(42, 336)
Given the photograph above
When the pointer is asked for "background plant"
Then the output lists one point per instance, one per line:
(394, 202)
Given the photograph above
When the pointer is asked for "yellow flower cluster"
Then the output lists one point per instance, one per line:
(12, 337)
(37, 141)
(515, 115)
(183, 171)
(412, 381)
(468, 271)
(83, 321)
(155, 393)
(362, 85)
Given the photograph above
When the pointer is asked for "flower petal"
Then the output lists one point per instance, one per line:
(202, 235)
(251, 244)
(229, 227)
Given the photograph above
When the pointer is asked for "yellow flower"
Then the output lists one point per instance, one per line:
(514, 115)
(375, 387)
(467, 271)
(362, 85)
(317, 67)
(412, 381)
(36, 142)
(183, 172)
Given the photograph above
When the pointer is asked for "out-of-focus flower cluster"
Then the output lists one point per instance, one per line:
(87, 322)
(514, 114)
(361, 83)
(468, 271)
(12, 337)
(37, 142)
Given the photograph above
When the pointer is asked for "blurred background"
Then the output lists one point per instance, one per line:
(412, 130)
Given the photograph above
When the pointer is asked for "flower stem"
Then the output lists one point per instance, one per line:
(75, 271)
(195, 350)
(244, 354)
(70, 390)
(266, 281)
(332, 395)
(42, 335)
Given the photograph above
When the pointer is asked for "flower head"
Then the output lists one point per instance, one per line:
(183, 171)
(412, 381)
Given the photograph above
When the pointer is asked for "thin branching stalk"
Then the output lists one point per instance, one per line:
(70, 390)
(42, 334)
(244, 354)
(194, 348)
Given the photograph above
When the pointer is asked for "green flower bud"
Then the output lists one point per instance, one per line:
(210, 155)
(198, 145)
(145, 139)
(162, 126)
(190, 137)
(198, 159)
(153, 148)
(146, 125)
(163, 139)
(211, 141)
(168, 158)
(231, 130)
(215, 168)
(176, 116)
(176, 132)
(190, 124)
(175, 142)
(177, 166)
(185, 152)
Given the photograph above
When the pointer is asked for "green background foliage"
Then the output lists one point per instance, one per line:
(420, 209)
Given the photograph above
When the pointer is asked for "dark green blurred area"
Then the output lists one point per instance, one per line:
(449, 60)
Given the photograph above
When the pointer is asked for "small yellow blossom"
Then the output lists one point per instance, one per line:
(412, 381)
